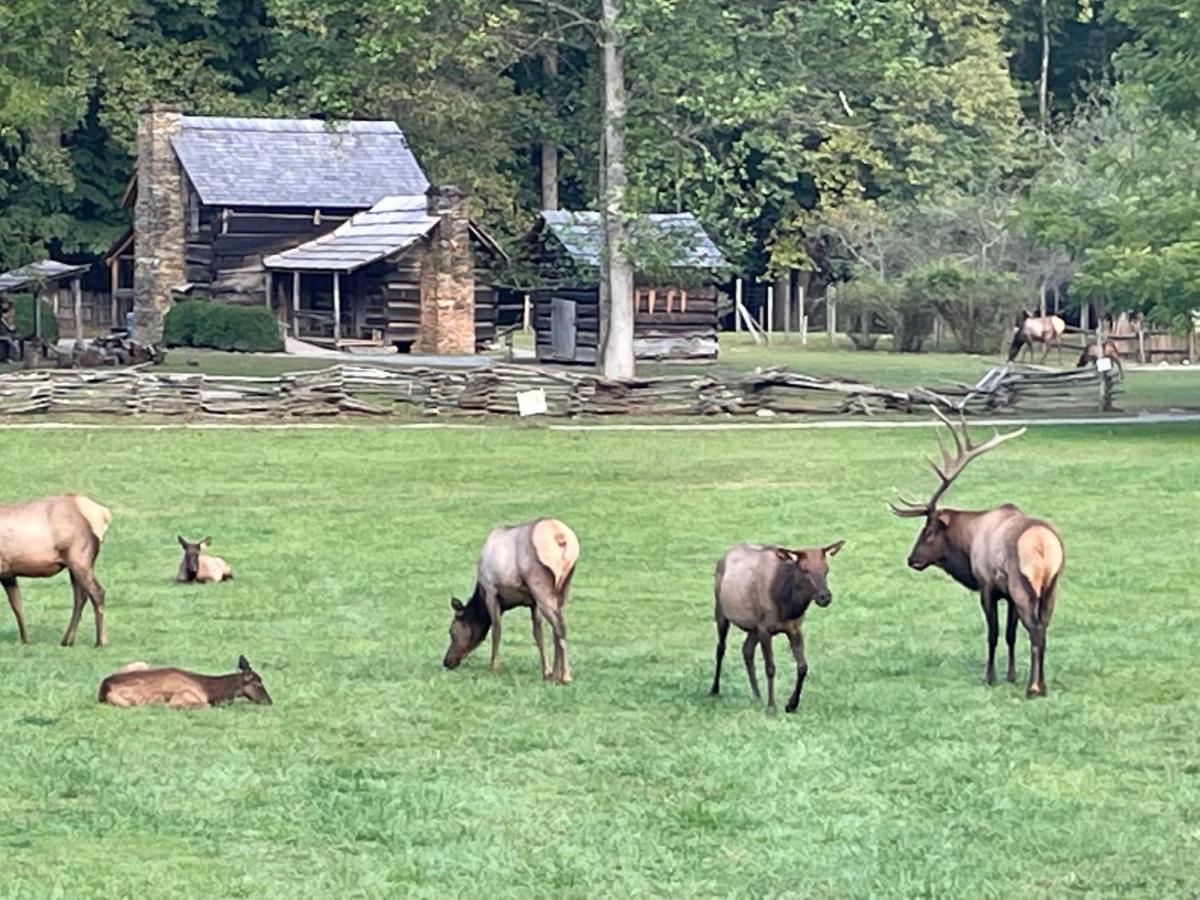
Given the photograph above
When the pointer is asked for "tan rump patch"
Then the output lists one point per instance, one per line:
(1040, 554)
(557, 548)
(98, 517)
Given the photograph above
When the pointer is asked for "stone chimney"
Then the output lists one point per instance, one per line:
(158, 220)
(448, 278)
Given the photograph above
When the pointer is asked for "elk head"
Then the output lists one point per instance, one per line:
(252, 687)
(467, 630)
(931, 547)
(813, 564)
(191, 555)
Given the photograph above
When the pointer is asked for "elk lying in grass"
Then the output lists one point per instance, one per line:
(41, 538)
(765, 591)
(522, 565)
(200, 568)
(138, 685)
(1031, 329)
(1107, 350)
(1001, 552)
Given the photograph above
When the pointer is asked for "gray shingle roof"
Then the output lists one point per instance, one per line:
(388, 227)
(688, 245)
(46, 270)
(296, 162)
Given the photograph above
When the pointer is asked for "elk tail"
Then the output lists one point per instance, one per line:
(1040, 558)
(98, 517)
(557, 549)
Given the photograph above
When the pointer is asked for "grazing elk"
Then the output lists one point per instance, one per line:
(40, 538)
(200, 568)
(521, 565)
(765, 591)
(1000, 552)
(1030, 329)
(1108, 350)
(138, 685)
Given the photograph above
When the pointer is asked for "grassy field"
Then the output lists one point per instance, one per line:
(376, 774)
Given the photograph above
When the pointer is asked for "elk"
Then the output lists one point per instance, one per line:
(40, 538)
(197, 567)
(1030, 329)
(138, 685)
(1000, 552)
(766, 591)
(520, 565)
(1108, 349)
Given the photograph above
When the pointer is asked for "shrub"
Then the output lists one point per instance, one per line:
(219, 326)
(23, 318)
(976, 306)
(907, 315)
(179, 324)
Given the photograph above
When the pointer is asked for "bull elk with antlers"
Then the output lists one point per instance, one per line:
(1000, 552)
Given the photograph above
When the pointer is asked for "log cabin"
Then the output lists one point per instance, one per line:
(214, 197)
(675, 287)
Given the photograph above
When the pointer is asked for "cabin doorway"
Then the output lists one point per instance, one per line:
(562, 328)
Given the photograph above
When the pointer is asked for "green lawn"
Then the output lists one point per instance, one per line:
(376, 774)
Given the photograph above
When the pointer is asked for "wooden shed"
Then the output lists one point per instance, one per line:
(675, 289)
(60, 285)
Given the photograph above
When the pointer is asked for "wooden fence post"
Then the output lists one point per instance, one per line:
(77, 291)
(296, 304)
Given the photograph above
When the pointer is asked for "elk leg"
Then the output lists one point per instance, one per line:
(96, 594)
(14, 600)
(797, 642)
(68, 639)
(769, 664)
(722, 634)
(537, 639)
(1037, 641)
(491, 602)
(560, 638)
(748, 656)
(1010, 636)
(988, 603)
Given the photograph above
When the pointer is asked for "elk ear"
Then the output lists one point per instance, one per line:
(243, 664)
(207, 542)
(182, 542)
(785, 555)
(834, 548)
(456, 605)
(943, 518)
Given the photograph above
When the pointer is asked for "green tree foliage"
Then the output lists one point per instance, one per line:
(1120, 199)
(1163, 54)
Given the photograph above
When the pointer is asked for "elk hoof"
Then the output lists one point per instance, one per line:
(771, 710)
(1011, 676)
(792, 706)
(1035, 691)
(547, 674)
(989, 677)
(63, 643)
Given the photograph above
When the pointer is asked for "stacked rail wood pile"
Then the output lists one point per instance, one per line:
(367, 390)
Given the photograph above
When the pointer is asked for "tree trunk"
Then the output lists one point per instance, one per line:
(549, 147)
(616, 356)
(1044, 80)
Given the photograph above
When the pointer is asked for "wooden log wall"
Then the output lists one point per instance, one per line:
(670, 323)
(375, 390)
(224, 252)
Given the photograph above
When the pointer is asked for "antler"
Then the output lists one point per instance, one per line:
(951, 466)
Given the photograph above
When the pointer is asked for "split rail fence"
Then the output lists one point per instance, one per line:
(349, 390)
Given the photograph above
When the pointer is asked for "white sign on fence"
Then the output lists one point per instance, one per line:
(1104, 364)
(532, 403)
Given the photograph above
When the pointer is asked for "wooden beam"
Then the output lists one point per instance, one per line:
(267, 285)
(296, 304)
(77, 293)
(114, 275)
(737, 303)
(337, 306)
(770, 308)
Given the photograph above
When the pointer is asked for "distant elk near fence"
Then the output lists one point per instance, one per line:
(409, 391)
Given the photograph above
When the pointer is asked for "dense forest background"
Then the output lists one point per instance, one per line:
(912, 149)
